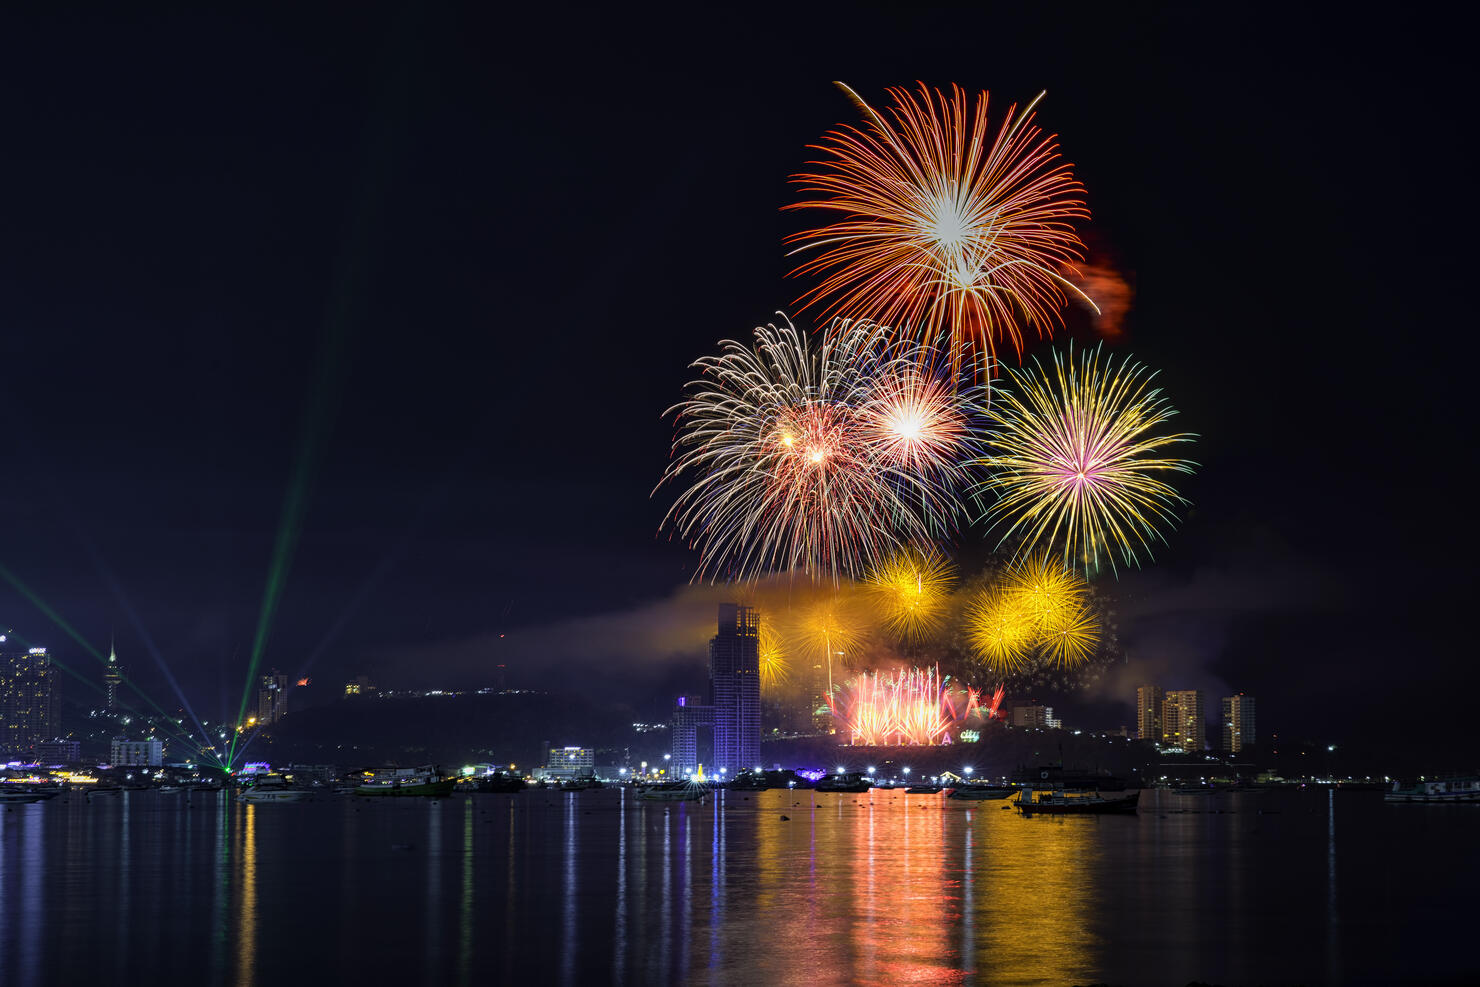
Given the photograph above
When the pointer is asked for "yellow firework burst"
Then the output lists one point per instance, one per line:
(1049, 592)
(1072, 640)
(1001, 630)
(774, 668)
(910, 592)
(1077, 457)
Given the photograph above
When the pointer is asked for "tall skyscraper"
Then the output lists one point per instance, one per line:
(735, 689)
(1238, 723)
(272, 698)
(28, 700)
(1182, 719)
(112, 677)
(1148, 712)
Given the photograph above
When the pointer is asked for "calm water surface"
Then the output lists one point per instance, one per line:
(594, 887)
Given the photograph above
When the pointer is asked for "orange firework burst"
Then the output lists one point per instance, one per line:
(1001, 629)
(774, 670)
(943, 227)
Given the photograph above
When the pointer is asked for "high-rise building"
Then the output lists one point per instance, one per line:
(137, 753)
(29, 708)
(272, 698)
(360, 685)
(1182, 719)
(112, 677)
(54, 752)
(735, 689)
(1148, 712)
(1033, 715)
(1238, 723)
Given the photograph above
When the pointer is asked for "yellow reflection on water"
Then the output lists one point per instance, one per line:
(246, 933)
(1034, 891)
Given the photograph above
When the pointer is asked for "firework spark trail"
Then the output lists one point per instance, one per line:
(791, 462)
(943, 228)
(1072, 459)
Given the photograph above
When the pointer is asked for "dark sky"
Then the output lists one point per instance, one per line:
(449, 269)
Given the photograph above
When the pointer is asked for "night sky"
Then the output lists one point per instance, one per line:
(448, 270)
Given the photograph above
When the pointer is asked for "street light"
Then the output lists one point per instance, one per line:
(906, 772)
(968, 769)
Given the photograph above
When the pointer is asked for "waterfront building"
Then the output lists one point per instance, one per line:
(112, 677)
(1238, 723)
(570, 762)
(29, 707)
(1182, 720)
(59, 751)
(1148, 712)
(272, 704)
(735, 689)
(137, 753)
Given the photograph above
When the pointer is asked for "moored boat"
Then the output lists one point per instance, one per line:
(923, 790)
(981, 793)
(1438, 791)
(24, 794)
(1060, 803)
(426, 782)
(847, 781)
(673, 791)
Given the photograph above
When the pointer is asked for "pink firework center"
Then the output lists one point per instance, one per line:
(915, 707)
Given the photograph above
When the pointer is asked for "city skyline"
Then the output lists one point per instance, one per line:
(212, 470)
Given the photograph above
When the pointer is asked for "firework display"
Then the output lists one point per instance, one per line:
(911, 591)
(943, 226)
(823, 459)
(1074, 459)
(826, 474)
(917, 706)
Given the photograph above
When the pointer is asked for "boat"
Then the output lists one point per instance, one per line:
(981, 793)
(923, 790)
(1439, 791)
(672, 791)
(169, 789)
(848, 781)
(25, 794)
(1059, 803)
(502, 783)
(425, 781)
(272, 793)
(580, 784)
(104, 790)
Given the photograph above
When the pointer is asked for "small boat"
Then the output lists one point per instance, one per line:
(426, 782)
(580, 784)
(923, 790)
(169, 789)
(1058, 803)
(1440, 791)
(672, 791)
(272, 793)
(104, 790)
(981, 793)
(25, 794)
(500, 783)
(848, 781)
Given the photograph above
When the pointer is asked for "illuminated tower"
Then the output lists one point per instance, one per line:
(112, 677)
(1182, 719)
(272, 698)
(735, 689)
(28, 700)
(1238, 723)
(1148, 712)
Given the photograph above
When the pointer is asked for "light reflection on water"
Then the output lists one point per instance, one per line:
(599, 887)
